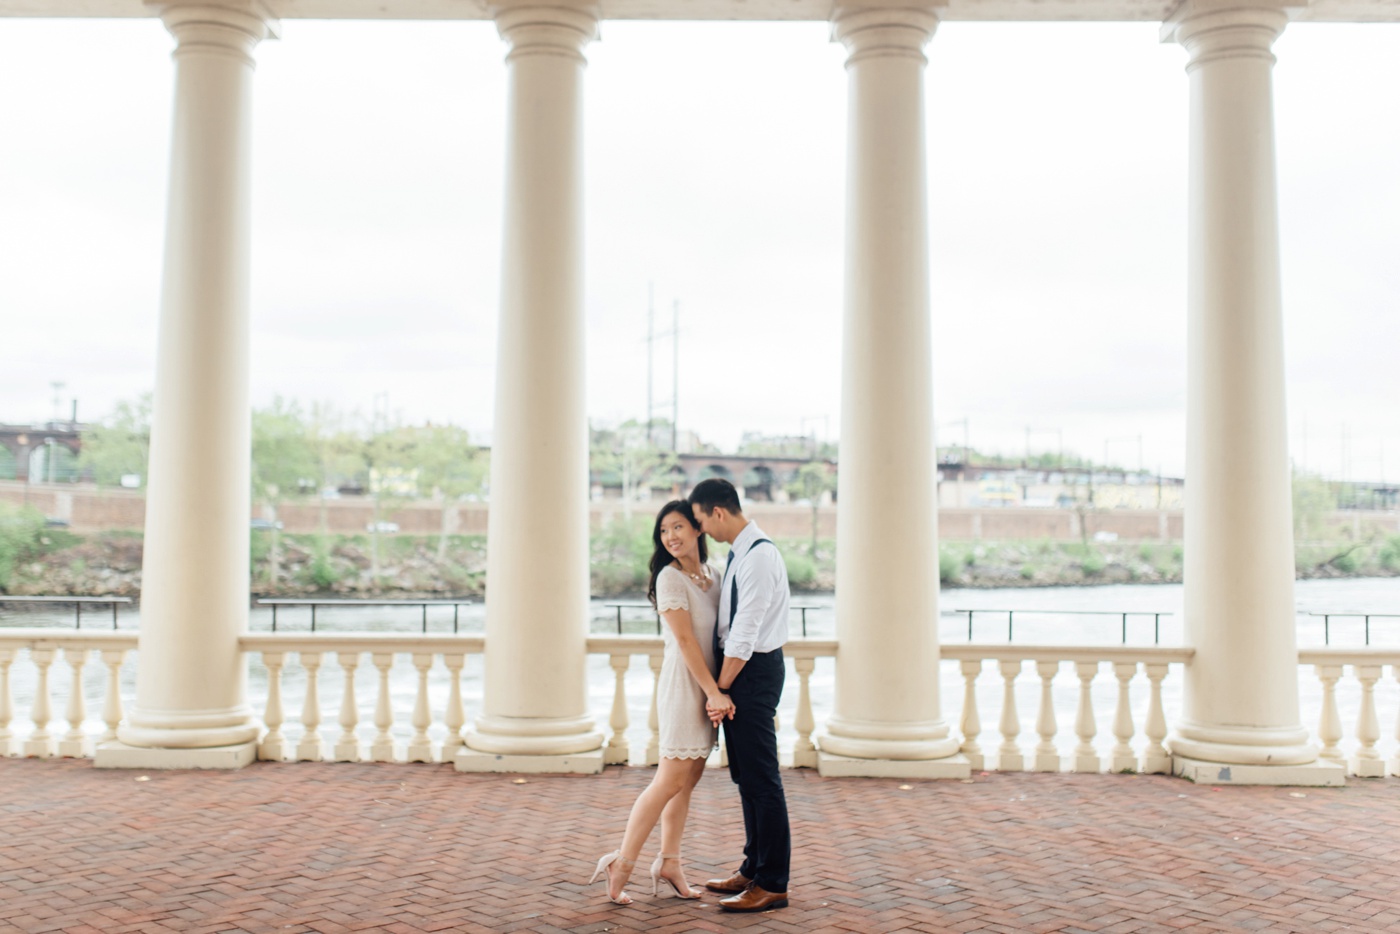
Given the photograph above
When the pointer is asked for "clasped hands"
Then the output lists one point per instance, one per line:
(719, 707)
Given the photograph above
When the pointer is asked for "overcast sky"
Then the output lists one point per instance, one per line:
(715, 170)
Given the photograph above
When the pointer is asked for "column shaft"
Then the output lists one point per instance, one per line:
(190, 690)
(537, 547)
(887, 685)
(1241, 688)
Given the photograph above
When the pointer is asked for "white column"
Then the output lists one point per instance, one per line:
(1241, 688)
(886, 718)
(191, 678)
(535, 709)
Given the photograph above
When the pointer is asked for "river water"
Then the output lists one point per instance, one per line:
(1043, 616)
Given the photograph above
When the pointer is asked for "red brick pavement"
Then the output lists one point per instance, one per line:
(329, 848)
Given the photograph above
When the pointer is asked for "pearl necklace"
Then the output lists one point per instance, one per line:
(700, 578)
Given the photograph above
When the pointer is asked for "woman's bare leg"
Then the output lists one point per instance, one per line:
(673, 818)
(672, 776)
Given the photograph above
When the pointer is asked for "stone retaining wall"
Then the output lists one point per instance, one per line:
(89, 509)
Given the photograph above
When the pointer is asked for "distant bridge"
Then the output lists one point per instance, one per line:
(20, 442)
(759, 477)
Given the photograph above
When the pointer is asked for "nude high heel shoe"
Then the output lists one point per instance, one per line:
(657, 875)
(604, 869)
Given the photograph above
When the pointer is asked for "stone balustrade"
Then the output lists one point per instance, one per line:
(416, 709)
(40, 648)
(1086, 663)
(1367, 667)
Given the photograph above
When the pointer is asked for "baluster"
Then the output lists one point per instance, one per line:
(804, 751)
(455, 717)
(1367, 763)
(273, 747)
(1009, 757)
(1329, 727)
(654, 743)
(7, 745)
(1394, 760)
(420, 748)
(312, 747)
(382, 750)
(347, 747)
(617, 752)
(1123, 729)
(112, 703)
(971, 724)
(1047, 758)
(1085, 759)
(75, 744)
(40, 742)
(1155, 760)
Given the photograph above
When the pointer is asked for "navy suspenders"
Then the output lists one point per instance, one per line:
(734, 583)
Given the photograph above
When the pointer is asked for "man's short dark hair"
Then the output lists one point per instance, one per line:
(713, 492)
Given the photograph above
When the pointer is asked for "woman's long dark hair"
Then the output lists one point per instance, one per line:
(660, 557)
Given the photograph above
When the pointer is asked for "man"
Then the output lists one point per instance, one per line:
(749, 636)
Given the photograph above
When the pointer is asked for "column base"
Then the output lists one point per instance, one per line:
(1314, 774)
(579, 763)
(189, 729)
(118, 755)
(830, 765)
(534, 736)
(868, 739)
(1263, 746)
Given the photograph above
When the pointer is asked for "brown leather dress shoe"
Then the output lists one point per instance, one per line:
(755, 899)
(734, 884)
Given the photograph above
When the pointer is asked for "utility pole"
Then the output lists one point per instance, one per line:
(651, 338)
(675, 375)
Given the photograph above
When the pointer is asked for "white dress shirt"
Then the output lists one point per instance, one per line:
(761, 623)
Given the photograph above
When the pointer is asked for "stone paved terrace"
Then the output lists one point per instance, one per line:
(338, 847)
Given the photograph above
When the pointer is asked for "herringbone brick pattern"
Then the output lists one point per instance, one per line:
(328, 848)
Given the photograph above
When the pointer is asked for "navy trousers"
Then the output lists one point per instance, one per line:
(752, 746)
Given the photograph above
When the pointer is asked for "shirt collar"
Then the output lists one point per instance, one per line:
(745, 539)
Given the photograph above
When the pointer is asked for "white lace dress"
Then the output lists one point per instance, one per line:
(686, 732)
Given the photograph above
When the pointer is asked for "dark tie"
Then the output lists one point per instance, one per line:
(719, 655)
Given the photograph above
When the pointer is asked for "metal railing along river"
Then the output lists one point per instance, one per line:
(78, 603)
(313, 605)
(1123, 616)
(1365, 617)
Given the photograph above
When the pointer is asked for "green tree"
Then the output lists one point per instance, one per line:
(339, 454)
(120, 444)
(756, 445)
(390, 453)
(812, 480)
(450, 468)
(21, 538)
(285, 466)
(1314, 522)
(1313, 505)
(629, 457)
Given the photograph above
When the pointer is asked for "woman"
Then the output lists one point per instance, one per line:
(685, 591)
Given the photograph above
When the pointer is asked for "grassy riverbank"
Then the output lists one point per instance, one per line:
(39, 560)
